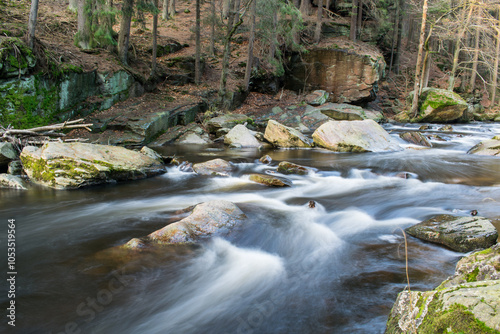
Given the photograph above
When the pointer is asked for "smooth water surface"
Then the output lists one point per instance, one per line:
(336, 268)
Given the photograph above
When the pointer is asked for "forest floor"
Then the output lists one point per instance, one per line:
(57, 26)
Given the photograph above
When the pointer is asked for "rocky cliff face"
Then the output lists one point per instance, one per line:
(346, 75)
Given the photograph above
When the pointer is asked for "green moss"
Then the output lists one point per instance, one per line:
(456, 319)
(39, 170)
(472, 276)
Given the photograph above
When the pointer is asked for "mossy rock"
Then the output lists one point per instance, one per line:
(75, 165)
(439, 106)
(270, 181)
(16, 59)
(286, 167)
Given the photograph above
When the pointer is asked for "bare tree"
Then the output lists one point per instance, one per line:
(416, 90)
(251, 39)
(354, 20)
(197, 69)
(317, 34)
(124, 36)
(155, 32)
(32, 23)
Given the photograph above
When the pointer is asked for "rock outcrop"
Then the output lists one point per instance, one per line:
(240, 136)
(487, 147)
(467, 302)
(270, 181)
(213, 218)
(215, 167)
(462, 234)
(74, 165)
(346, 75)
(354, 136)
(283, 136)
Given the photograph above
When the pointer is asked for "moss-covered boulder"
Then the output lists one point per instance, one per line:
(270, 181)
(468, 302)
(240, 136)
(286, 167)
(415, 137)
(462, 234)
(215, 167)
(283, 136)
(354, 136)
(317, 98)
(487, 147)
(213, 218)
(439, 106)
(74, 165)
(16, 59)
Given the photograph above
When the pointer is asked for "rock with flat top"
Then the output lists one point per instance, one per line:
(270, 181)
(487, 147)
(75, 165)
(462, 234)
(13, 182)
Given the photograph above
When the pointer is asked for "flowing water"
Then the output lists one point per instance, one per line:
(335, 268)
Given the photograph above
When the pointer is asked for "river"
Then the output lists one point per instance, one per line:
(335, 268)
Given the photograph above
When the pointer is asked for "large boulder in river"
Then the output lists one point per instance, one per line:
(74, 165)
(240, 136)
(439, 106)
(215, 167)
(350, 72)
(283, 136)
(487, 147)
(213, 218)
(462, 234)
(354, 136)
(467, 302)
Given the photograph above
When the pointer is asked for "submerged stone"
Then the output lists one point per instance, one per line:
(270, 181)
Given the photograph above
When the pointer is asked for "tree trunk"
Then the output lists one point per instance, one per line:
(354, 20)
(226, 7)
(317, 34)
(84, 24)
(272, 47)
(164, 10)
(212, 28)
(251, 39)
(73, 5)
(197, 69)
(171, 8)
(124, 36)
(495, 69)
(305, 7)
(32, 23)
(155, 32)
(475, 61)
(397, 56)
(426, 71)
(394, 35)
(360, 18)
(416, 90)
(451, 82)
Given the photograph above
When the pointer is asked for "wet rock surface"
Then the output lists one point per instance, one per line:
(462, 234)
